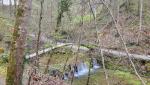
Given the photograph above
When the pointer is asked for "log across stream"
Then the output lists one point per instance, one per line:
(81, 48)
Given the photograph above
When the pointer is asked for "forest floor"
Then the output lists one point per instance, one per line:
(116, 77)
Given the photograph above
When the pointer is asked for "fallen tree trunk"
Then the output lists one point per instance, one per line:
(106, 51)
(40, 52)
(123, 54)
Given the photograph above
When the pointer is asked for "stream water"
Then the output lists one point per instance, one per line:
(83, 69)
(95, 64)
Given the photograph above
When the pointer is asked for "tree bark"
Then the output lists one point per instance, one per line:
(17, 54)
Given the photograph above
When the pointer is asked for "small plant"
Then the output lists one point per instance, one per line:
(4, 58)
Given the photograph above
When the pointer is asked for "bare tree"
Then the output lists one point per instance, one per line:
(140, 23)
(39, 34)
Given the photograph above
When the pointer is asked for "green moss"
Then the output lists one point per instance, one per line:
(86, 18)
(120, 77)
(88, 45)
(128, 77)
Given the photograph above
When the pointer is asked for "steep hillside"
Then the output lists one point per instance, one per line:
(128, 21)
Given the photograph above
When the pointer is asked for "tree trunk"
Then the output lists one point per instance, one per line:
(39, 34)
(60, 14)
(47, 65)
(10, 7)
(2, 5)
(138, 11)
(140, 23)
(17, 54)
(15, 6)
